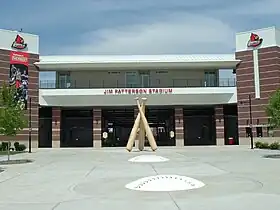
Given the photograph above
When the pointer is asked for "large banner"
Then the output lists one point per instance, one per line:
(19, 76)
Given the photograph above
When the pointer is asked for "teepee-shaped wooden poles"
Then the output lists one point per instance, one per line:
(141, 125)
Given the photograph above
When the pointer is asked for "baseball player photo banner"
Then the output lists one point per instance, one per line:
(19, 76)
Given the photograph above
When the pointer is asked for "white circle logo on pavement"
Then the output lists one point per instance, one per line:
(161, 183)
(148, 159)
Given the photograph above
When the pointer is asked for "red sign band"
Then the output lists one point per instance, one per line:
(19, 58)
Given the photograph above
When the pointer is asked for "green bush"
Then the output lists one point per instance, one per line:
(16, 145)
(4, 146)
(21, 148)
(265, 145)
(274, 146)
(262, 145)
(258, 144)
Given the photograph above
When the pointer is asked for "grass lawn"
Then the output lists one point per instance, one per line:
(3, 153)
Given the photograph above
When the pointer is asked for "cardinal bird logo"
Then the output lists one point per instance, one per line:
(19, 43)
(254, 41)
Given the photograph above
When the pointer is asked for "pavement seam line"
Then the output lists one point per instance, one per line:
(172, 199)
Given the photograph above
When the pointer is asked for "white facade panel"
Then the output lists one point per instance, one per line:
(256, 74)
(126, 96)
(278, 37)
(270, 36)
(8, 37)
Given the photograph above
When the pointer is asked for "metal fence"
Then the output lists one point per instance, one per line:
(175, 83)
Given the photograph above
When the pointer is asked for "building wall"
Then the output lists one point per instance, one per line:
(268, 65)
(162, 78)
(6, 40)
(97, 130)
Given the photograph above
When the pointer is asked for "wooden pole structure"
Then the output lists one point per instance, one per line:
(133, 133)
(148, 130)
(141, 123)
(142, 133)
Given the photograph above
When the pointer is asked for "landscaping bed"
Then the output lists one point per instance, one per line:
(12, 162)
(7, 150)
(265, 145)
(276, 156)
(4, 153)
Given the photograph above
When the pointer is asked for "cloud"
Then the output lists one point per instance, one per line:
(53, 13)
(249, 8)
(262, 7)
(179, 33)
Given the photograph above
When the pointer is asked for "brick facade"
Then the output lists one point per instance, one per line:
(269, 72)
(219, 118)
(179, 127)
(56, 120)
(33, 92)
(97, 130)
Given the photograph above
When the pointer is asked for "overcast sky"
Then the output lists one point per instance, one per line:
(138, 26)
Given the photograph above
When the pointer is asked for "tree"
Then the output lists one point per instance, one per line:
(12, 118)
(273, 109)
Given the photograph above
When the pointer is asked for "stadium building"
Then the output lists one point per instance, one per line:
(91, 102)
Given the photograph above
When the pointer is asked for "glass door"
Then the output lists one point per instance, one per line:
(210, 79)
(64, 80)
(131, 79)
(145, 80)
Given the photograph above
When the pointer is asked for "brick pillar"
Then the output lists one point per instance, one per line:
(219, 117)
(97, 140)
(179, 127)
(56, 116)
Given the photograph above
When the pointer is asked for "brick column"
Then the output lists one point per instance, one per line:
(179, 127)
(56, 119)
(97, 140)
(219, 117)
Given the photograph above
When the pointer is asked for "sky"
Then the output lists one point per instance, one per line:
(137, 26)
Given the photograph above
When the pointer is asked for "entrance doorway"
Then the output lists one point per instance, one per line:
(117, 123)
(199, 126)
(161, 121)
(45, 127)
(76, 128)
(230, 124)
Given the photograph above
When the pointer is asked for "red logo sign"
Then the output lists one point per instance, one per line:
(19, 58)
(254, 41)
(19, 43)
(133, 91)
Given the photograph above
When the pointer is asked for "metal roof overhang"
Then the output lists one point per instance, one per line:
(139, 65)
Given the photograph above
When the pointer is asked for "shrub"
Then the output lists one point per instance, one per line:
(264, 145)
(21, 147)
(4, 146)
(16, 144)
(258, 144)
(274, 145)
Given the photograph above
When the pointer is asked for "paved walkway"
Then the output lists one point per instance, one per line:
(60, 179)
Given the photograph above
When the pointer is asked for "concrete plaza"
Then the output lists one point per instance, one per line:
(59, 179)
